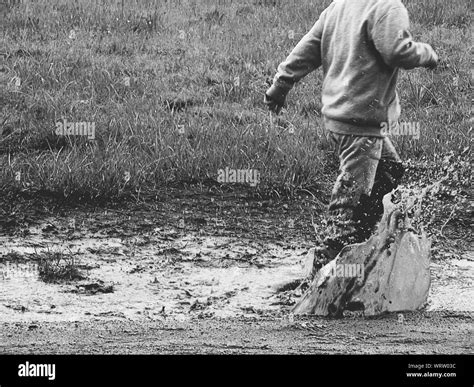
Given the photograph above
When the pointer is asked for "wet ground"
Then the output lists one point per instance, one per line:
(197, 273)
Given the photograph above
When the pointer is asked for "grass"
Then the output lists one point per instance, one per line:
(175, 90)
(56, 267)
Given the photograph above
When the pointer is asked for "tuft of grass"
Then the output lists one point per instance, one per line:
(56, 267)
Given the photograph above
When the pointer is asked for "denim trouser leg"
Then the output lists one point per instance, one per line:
(369, 168)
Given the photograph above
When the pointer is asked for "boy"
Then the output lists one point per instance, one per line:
(361, 44)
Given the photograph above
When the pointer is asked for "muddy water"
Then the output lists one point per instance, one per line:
(189, 275)
(166, 274)
(452, 285)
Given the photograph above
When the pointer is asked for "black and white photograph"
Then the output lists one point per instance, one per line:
(236, 177)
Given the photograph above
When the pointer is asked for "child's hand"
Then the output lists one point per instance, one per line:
(272, 105)
(433, 63)
(274, 99)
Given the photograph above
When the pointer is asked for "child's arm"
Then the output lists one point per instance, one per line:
(395, 44)
(305, 58)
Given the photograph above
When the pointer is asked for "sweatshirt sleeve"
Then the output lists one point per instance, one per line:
(395, 43)
(305, 58)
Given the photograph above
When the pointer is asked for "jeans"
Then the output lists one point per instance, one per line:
(369, 168)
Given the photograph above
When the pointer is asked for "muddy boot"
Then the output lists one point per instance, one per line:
(370, 208)
(317, 257)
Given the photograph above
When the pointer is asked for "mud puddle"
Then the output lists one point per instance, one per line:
(452, 285)
(162, 274)
(166, 273)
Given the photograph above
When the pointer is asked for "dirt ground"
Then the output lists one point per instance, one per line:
(197, 273)
(421, 333)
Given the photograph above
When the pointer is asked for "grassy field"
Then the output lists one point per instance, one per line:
(174, 90)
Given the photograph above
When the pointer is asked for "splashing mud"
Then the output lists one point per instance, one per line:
(394, 263)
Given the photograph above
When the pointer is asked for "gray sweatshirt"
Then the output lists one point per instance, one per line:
(361, 44)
